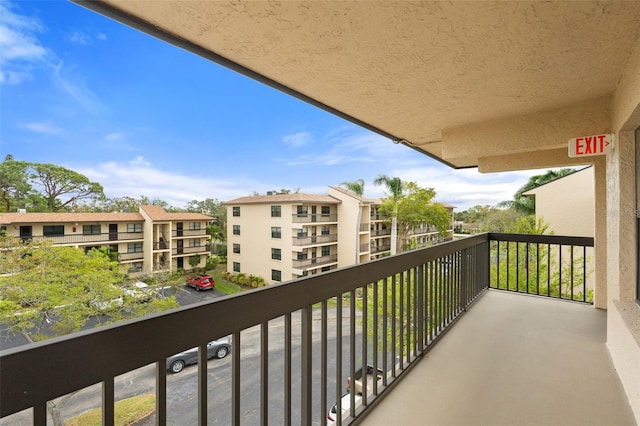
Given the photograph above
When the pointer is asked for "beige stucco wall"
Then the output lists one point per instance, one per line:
(623, 314)
(256, 242)
(568, 204)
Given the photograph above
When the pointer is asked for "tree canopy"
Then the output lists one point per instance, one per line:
(415, 208)
(356, 186)
(50, 290)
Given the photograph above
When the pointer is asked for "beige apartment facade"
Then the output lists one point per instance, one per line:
(147, 241)
(284, 236)
(567, 204)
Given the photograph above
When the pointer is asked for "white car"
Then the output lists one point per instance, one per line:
(345, 402)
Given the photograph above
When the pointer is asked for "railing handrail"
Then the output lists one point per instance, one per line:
(542, 239)
(64, 364)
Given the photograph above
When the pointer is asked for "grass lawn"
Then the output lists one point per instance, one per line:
(127, 411)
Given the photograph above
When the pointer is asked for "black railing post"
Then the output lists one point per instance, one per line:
(464, 279)
(306, 366)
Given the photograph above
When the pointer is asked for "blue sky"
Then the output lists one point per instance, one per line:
(142, 117)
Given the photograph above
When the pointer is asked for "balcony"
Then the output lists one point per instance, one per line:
(315, 262)
(188, 232)
(306, 240)
(506, 352)
(313, 218)
(107, 238)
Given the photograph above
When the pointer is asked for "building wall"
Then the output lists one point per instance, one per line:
(567, 204)
(623, 313)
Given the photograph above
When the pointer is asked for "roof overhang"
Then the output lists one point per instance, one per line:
(467, 83)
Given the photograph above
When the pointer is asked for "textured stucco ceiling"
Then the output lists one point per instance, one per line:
(410, 70)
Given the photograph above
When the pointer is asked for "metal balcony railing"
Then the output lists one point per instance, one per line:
(313, 217)
(380, 248)
(189, 232)
(190, 250)
(544, 265)
(315, 261)
(364, 227)
(380, 232)
(385, 313)
(314, 239)
(107, 238)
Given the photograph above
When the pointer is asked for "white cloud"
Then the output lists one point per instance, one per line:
(45, 128)
(76, 87)
(19, 47)
(298, 139)
(79, 37)
(114, 137)
(140, 177)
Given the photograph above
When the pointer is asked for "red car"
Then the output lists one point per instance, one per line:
(201, 282)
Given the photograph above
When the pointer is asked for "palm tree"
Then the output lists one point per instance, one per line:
(394, 187)
(526, 205)
(357, 186)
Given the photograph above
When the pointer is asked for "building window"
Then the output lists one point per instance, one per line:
(135, 267)
(276, 232)
(326, 250)
(236, 229)
(194, 226)
(194, 243)
(134, 227)
(326, 268)
(276, 275)
(302, 256)
(236, 266)
(236, 248)
(54, 230)
(276, 211)
(90, 229)
(134, 248)
(276, 254)
(236, 211)
(302, 233)
(325, 210)
(302, 211)
(325, 230)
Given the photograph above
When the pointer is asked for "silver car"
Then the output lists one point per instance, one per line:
(215, 349)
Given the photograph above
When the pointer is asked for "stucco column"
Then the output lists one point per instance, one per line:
(600, 232)
(621, 250)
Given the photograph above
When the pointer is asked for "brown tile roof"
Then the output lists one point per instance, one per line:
(285, 198)
(7, 218)
(155, 212)
(159, 213)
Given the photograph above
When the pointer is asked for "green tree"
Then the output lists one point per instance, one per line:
(61, 187)
(526, 205)
(394, 186)
(48, 291)
(14, 184)
(357, 186)
(413, 209)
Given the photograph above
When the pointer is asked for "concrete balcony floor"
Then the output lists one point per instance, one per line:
(513, 360)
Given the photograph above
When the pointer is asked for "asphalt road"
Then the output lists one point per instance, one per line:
(182, 387)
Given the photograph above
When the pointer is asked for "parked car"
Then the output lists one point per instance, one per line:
(215, 349)
(370, 379)
(201, 282)
(345, 405)
(139, 291)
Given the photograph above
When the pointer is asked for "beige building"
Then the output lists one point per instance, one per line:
(151, 240)
(280, 237)
(567, 204)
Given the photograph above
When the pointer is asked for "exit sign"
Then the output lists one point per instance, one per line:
(586, 146)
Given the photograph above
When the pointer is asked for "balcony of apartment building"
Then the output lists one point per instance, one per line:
(365, 227)
(305, 217)
(87, 237)
(304, 239)
(508, 327)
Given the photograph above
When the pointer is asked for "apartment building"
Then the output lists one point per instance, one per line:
(283, 236)
(147, 241)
